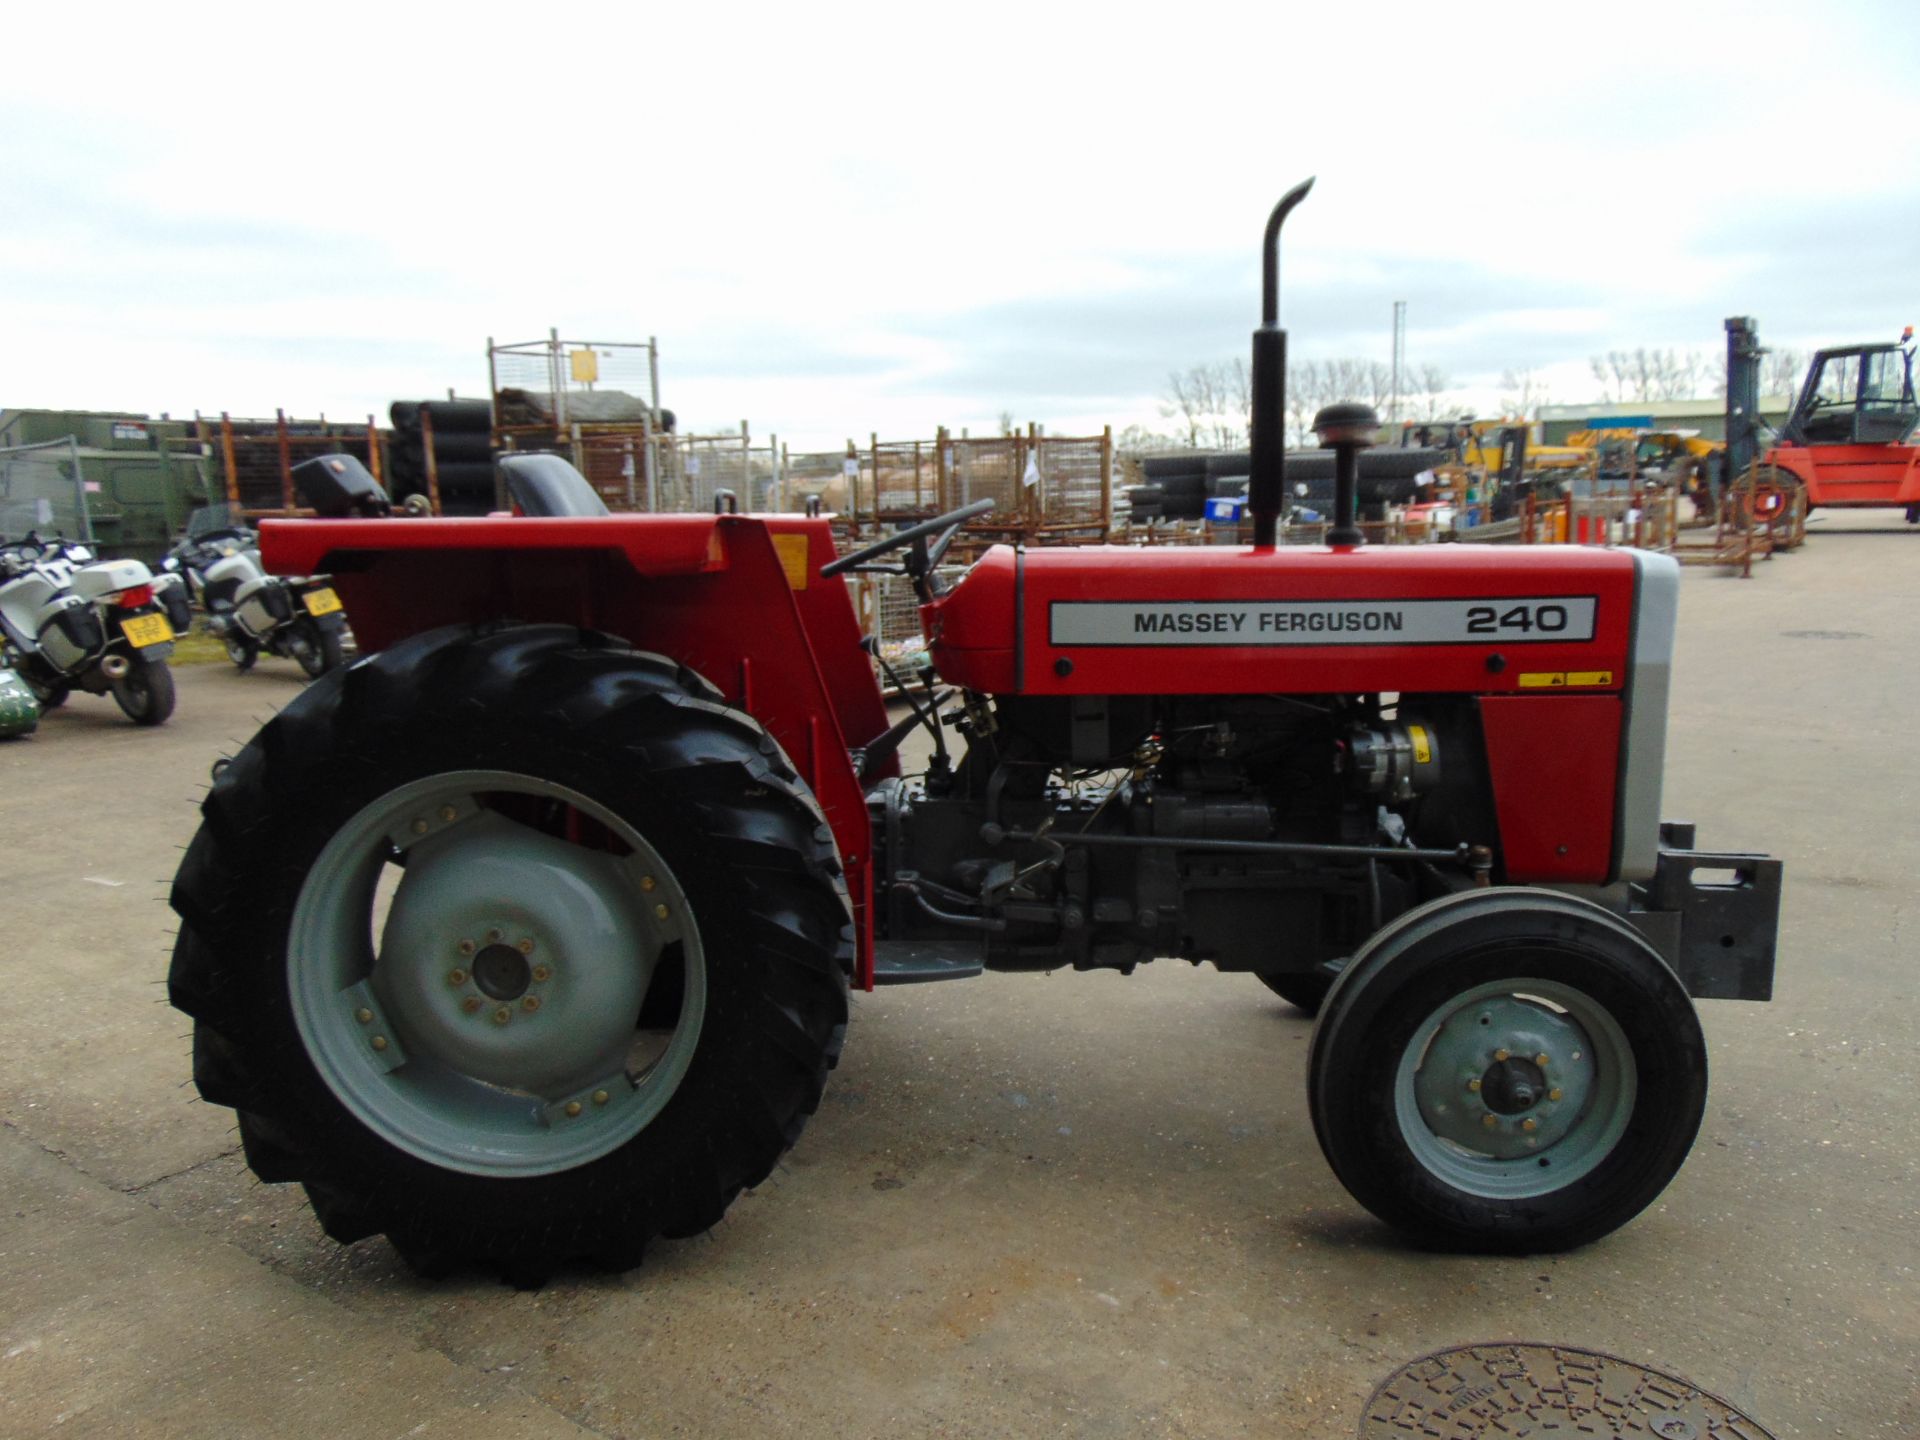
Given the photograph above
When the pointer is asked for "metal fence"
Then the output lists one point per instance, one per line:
(693, 470)
(833, 476)
(903, 479)
(1046, 489)
(253, 460)
(42, 490)
(889, 611)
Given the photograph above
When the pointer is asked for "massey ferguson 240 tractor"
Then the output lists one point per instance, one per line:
(528, 937)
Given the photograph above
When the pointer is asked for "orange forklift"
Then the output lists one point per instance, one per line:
(1849, 443)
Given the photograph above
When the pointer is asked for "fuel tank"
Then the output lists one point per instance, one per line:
(1302, 619)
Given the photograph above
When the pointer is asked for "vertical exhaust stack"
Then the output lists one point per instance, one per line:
(1268, 464)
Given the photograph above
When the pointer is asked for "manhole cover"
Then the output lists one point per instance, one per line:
(1518, 1390)
(1825, 634)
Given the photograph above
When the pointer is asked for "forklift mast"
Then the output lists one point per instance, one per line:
(1743, 395)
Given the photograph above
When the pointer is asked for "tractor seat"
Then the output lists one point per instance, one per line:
(543, 484)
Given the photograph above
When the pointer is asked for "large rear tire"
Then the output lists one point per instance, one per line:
(520, 948)
(1507, 1071)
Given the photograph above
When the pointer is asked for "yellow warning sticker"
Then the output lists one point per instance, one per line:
(1564, 679)
(1422, 747)
(793, 559)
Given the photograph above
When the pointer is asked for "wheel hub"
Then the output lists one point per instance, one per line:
(502, 972)
(1512, 1086)
(1505, 1076)
(514, 957)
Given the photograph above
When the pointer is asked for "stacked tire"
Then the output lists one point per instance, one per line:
(462, 453)
(1387, 477)
(1176, 488)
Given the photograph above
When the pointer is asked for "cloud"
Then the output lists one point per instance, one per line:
(851, 218)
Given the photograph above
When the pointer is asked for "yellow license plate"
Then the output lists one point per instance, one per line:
(321, 602)
(143, 630)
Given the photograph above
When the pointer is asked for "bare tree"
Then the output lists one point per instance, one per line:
(1782, 371)
(1138, 440)
(1211, 404)
(1648, 374)
(1306, 385)
(1525, 390)
(1423, 390)
(1182, 404)
(1367, 381)
(1236, 388)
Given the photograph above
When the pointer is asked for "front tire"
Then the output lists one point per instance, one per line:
(242, 650)
(1507, 1071)
(603, 996)
(145, 693)
(1305, 992)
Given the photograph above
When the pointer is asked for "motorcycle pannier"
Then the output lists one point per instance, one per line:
(264, 606)
(71, 632)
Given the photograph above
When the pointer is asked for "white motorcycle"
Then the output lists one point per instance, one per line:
(69, 621)
(299, 617)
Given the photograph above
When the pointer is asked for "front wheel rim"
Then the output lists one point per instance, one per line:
(1515, 1088)
(491, 1026)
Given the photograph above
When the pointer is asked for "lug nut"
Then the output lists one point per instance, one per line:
(467, 947)
(660, 912)
(502, 1015)
(1529, 1124)
(530, 1004)
(1501, 1054)
(419, 827)
(1553, 1094)
(1541, 1059)
(525, 947)
(647, 882)
(1491, 1121)
(494, 937)
(456, 977)
(471, 1004)
(379, 1042)
(600, 1097)
(541, 972)
(1474, 1085)
(573, 1107)
(363, 1015)
(447, 812)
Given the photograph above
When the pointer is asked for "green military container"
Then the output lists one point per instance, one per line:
(19, 709)
(139, 478)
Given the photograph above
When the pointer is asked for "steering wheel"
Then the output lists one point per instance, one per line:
(920, 563)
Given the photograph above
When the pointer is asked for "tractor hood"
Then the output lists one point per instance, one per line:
(1210, 620)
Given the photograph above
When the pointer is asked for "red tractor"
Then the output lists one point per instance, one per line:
(529, 937)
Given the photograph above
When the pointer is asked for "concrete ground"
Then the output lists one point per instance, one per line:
(1066, 1205)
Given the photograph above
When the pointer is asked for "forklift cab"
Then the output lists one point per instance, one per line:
(1862, 395)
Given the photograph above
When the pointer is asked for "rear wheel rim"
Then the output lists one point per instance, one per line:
(1515, 1088)
(490, 1026)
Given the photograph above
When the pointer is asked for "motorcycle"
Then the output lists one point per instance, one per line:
(69, 621)
(296, 616)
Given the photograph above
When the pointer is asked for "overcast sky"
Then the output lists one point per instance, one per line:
(843, 219)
